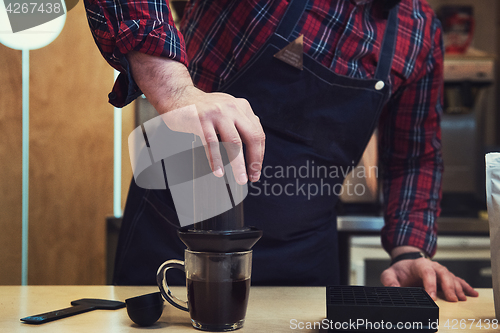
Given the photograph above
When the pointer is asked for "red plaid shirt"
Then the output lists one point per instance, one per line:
(221, 36)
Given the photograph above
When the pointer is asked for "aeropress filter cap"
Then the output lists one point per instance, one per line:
(224, 241)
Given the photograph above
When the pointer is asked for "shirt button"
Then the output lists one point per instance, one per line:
(379, 85)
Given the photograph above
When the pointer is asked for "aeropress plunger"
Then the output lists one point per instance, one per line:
(218, 207)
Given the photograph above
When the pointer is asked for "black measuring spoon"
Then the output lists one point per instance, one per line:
(79, 306)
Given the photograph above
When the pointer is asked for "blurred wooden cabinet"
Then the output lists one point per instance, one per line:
(71, 159)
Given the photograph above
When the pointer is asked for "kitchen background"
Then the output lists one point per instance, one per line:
(71, 161)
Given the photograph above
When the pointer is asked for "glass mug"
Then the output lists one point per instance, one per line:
(218, 285)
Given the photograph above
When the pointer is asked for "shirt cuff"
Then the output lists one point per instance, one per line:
(408, 233)
(125, 90)
(146, 36)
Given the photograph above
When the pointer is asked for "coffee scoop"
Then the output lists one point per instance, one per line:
(145, 310)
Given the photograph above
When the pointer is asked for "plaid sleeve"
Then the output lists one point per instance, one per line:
(120, 26)
(410, 152)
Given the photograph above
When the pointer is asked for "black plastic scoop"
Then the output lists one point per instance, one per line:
(145, 310)
(79, 306)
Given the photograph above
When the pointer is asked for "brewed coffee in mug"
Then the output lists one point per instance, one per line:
(218, 285)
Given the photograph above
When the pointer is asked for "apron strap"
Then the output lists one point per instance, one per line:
(388, 46)
(291, 17)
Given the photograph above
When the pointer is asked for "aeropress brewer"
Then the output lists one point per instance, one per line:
(218, 257)
(218, 207)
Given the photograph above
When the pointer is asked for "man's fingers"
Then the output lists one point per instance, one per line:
(428, 276)
(211, 143)
(234, 121)
(234, 148)
(254, 139)
(468, 290)
(454, 288)
(447, 281)
(459, 290)
(389, 278)
(252, 134)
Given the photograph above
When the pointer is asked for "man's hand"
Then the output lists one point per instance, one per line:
(168, 87)
(427, 273)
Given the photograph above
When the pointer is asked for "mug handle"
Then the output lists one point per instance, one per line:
(161, 279)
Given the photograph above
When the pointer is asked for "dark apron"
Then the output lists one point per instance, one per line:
(317, 124)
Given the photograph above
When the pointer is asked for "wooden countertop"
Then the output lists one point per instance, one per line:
(270, 309)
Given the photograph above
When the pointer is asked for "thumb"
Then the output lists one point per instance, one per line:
(389, 278)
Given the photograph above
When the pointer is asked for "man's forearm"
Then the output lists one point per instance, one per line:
(162, 80)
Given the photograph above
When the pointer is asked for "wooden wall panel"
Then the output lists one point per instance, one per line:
(71, 158)
(10, 165)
